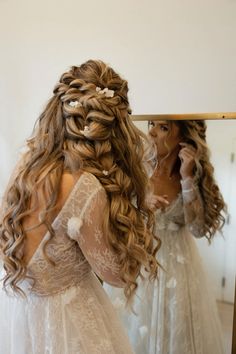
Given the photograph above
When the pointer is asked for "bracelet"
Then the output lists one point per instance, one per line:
(184, 180)
(187, 190)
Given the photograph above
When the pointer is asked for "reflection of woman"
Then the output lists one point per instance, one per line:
(177, 314)
(68, 211)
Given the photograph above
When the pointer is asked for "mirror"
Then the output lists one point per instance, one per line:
(218, 258)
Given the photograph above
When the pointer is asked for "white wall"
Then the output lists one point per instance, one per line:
(220, 257)
(178, 56)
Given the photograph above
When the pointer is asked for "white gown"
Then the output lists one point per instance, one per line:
(176, 314)
(67, 311)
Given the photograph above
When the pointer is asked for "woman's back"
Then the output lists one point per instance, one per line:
(91, 224)
(37, 231)
(64, 296)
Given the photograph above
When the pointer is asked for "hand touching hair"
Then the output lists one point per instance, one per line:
(194, 133)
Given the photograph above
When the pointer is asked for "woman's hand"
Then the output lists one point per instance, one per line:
(157, 202)
(187, 156)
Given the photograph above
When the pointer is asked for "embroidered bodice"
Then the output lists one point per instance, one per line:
(186, 210)
(78, 246)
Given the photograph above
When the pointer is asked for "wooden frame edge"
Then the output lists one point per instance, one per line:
(184, 116)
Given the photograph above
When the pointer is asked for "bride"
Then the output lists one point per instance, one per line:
(68, 212)
(176, 314)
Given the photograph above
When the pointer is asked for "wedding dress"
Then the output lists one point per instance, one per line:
(66, 310)
(175, 314)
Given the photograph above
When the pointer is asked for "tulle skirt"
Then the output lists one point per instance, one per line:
(80, 320)
(177, 313)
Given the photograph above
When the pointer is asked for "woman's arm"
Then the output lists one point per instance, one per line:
(92, 240)
(192, 199)
(193, 207)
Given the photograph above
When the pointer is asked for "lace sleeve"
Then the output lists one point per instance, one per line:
(193, 207)
(87, 230)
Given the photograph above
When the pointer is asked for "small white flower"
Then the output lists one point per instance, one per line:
(171, 283)
(86, 130)
(118, 303)
(73, 226)
(143, 330)
(75, 104)
(108, 93)
(180, 259)
(105, 172)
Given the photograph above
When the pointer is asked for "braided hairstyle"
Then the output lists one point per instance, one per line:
(85, 126)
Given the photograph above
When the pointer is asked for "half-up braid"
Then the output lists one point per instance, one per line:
(85, 126)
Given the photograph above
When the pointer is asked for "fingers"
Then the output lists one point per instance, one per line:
(158, 202)
(187, 152)
(188, 148)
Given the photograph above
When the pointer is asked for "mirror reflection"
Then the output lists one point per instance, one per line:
(192, 168)
(189, 308)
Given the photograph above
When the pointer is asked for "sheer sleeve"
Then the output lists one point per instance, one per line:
(92, 241)
(193, 207)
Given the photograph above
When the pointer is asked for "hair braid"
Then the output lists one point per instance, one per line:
(85, 125)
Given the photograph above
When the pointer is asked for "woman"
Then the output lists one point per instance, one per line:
(75, 205)
(177, 313)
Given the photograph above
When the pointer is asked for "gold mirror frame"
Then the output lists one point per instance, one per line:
(185, 116)
(195, 116)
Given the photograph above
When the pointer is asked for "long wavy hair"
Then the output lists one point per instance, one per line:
(84, 128)
(193, 132)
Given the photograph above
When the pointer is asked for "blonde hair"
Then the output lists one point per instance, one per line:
(193, 132)
(111, 143)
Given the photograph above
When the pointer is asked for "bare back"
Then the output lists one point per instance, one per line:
(36, 234)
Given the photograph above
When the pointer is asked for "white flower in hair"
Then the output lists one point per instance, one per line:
(108, 93)
(86, 130)
(75, 104)
(105, 172)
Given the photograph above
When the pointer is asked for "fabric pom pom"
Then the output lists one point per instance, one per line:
(180, 259)
(171, 283)
(118, 303)
(73, 226)
(143, 330)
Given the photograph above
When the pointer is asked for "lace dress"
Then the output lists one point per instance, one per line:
(176, 314)
(67, 311)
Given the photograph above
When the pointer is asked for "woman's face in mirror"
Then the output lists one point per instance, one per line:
(165, 136)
